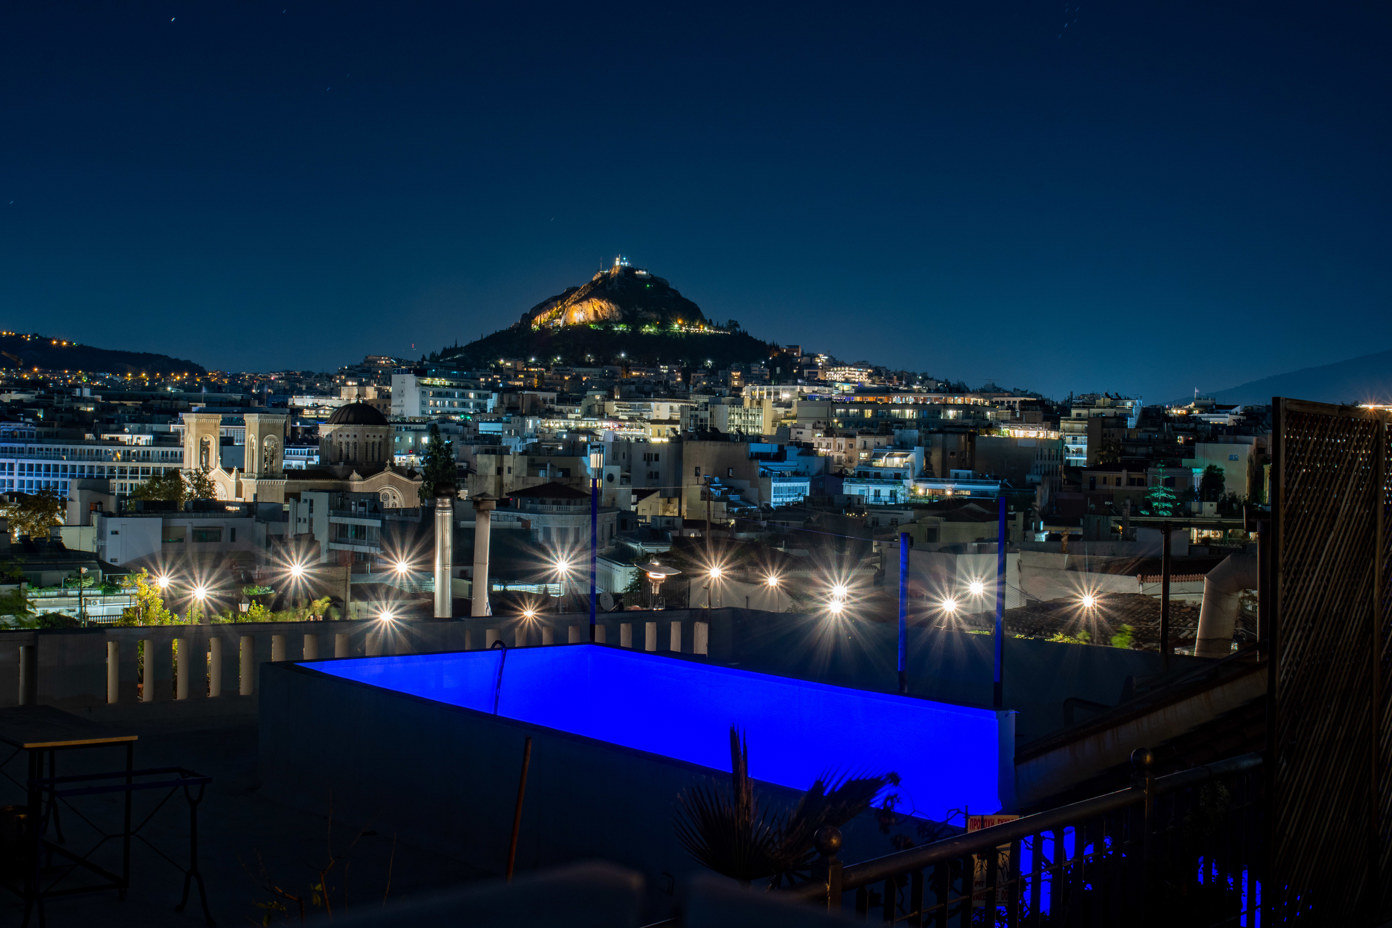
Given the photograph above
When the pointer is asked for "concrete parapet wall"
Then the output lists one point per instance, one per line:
(103, 666)
(82, 668)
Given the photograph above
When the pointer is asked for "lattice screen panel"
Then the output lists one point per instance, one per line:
(1331, 796)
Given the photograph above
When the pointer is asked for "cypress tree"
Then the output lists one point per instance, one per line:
(437, 467)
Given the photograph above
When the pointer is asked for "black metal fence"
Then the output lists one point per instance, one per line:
(1183, 849)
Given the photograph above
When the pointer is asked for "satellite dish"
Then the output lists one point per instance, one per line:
(606, 601)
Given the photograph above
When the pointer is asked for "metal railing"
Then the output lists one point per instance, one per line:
(1183, 849)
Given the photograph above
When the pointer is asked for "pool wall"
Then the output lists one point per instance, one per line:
(446, 776)
(947, 757)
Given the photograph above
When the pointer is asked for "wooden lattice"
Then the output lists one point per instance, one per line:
(1331, 731)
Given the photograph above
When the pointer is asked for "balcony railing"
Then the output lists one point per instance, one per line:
(1183, 849)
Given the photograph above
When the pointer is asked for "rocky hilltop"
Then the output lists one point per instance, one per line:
(621, 294)
(624, 315)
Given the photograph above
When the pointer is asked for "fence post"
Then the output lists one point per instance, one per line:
(1143, 765)
(182, 667)
(215, 665)
(827, 870)
(113, 672)
(28, 674)
(246, 666)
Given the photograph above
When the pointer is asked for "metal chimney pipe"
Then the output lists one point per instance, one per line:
(444, 556)
(483, 519)
(1222, 595)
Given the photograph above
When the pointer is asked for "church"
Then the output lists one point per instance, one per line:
(355, 456)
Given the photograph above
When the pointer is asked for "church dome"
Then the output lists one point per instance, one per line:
(357, 414)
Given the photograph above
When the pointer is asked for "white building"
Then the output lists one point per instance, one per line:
(437, 396)
(29, 464)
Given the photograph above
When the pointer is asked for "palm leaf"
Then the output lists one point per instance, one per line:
(726, 832)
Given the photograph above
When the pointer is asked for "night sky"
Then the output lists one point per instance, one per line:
(1134, 196)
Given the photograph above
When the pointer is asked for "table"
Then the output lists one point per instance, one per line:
(41, 732)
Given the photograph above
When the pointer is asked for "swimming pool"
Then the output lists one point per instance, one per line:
(948, 757)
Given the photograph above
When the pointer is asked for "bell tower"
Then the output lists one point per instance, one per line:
(264, 455)
(202, 441)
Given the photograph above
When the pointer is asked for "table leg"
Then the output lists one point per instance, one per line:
(53, 794)
(126, 832)
(35, 837)
(193, 873)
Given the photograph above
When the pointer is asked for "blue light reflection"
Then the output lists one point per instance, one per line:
(947, 756)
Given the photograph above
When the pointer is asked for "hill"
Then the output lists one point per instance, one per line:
(1364, 379)
(26, 352)
(624, 314)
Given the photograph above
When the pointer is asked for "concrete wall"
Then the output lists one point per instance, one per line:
(86, 667)
(78, 668)
(448, 777)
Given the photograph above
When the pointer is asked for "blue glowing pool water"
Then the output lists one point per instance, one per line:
(948, 757)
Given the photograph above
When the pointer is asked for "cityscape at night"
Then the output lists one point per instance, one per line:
(547, 465)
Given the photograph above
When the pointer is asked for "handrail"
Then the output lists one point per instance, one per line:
(881, 868)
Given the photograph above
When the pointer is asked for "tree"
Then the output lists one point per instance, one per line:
(198, 485)
(176, 487)
(33, 514)
(149, 607)
(1160, 499)
(437, 467)
(728, 833)
(14, 605)
(168, 486)
(1211, 484)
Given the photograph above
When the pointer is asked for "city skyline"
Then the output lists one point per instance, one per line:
(1056, 197)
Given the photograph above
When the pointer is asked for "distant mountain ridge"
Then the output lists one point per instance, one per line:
(1364, 379)
(26, 351)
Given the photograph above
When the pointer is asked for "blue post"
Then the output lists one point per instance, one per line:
(998, 697)
(903, 612)
(594, 548)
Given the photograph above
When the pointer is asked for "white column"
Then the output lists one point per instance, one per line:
(483, 509)
(444, 555)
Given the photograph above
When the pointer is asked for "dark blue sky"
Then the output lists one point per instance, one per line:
(1131, 196)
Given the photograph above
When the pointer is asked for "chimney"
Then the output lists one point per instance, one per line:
(444, 555)
(483, 509)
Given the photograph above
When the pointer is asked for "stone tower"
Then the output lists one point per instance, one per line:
(202, 441)
(264, 456)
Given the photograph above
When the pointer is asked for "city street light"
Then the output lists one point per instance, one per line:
(772, 582)
(81, 587)
(596, 463)
(562, 571)
(715, 574)
(200, 593)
